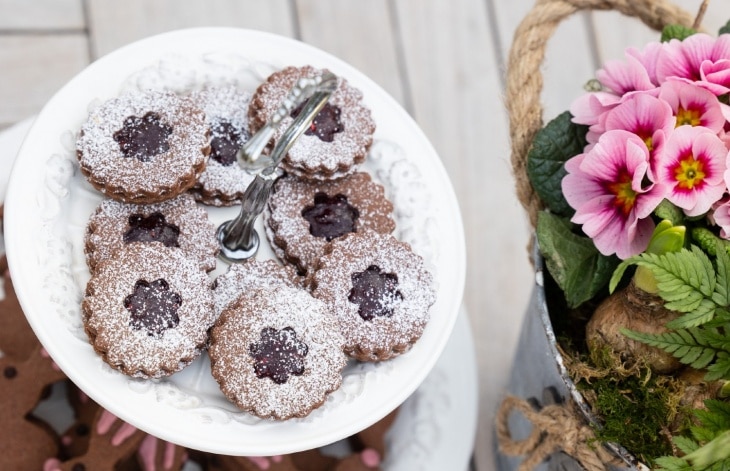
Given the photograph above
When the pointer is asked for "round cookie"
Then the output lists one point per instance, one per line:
(244, 277)
(379, 290)
(144, 147)
(340, 136)
(224, 181)
(277, 352)
(305, 215)
(179, 224)
(147, 310)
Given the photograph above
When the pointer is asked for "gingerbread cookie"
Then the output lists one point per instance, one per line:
(338, 139)
(17, 339)
(276, 352)
(224, 181)
(144, 147)
(305, 215)
(147, 310)
(379, 290)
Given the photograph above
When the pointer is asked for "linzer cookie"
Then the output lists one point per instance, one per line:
(305, 215)
(244, 277)
(144, 147)
(179, 224)
(277, 352)
(338, 139)
(379, 290)
(147, 310)
(223, 181)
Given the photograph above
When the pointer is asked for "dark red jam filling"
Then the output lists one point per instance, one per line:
(153, 307)
(330, 216)
(10, 372)
(278, 354)
(143, 138)
(326, 124)
(152, 228)
(376, 293)
(226, 142)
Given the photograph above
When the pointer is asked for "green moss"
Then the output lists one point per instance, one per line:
(634, 411)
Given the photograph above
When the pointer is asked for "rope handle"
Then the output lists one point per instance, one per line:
(524, 79)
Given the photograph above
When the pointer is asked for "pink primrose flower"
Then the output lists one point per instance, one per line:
(644, 115)
(633, 74)
(721, 216)
(692, 165)
(692, 105)
(608, 188)
(699, 58)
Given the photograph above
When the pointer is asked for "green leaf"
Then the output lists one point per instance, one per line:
(683, 278)
(721, 296)
(702, 314)
(720, 369)
(676, 32)
(687, 346)
(672, 463)
(685, 444)
(557, 142)
(725, 29)
(667, 210)
(573, 261)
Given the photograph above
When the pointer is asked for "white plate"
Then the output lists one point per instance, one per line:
(48, 203)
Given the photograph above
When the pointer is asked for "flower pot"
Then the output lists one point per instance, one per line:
(540, 377)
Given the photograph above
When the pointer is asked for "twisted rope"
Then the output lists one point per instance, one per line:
(524, 80)
(556, 427)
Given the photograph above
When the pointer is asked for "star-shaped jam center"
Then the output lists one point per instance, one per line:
(226, 142)
(330, 216)
(278, 354)
(143, 138)
(375, 293)
(326, 124)
(153, 306)
(152, 228)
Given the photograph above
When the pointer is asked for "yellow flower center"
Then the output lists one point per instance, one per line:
(689, 172)
(691, 117)
(624, 195)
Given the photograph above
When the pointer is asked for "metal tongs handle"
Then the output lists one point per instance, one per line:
(238, 239)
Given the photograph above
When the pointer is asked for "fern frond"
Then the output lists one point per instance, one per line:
(687, 346)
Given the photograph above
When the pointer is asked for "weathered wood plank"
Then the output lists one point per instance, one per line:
(455, 83)
(41, 14)
(114, 24)
(360, 33)
(34, 68)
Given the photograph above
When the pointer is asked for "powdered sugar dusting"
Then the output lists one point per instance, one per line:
(129, 178)
(310, 156)
(242, 278)
(280, 307)
(107, 226)
(223, 185)
(291, 231)
(381, 337)
(107, 320)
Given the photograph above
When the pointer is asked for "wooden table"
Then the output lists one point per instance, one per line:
(444, 61)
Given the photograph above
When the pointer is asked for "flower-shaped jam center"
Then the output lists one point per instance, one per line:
(330, 216)
(153, 306)
(326, 124)
(278, 354)
(376, 293)
(144, 137)
(152, 228)
(226, 141)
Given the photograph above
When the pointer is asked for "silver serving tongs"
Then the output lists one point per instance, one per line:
(237, 238)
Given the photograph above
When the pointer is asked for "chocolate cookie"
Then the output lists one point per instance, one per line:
(144, 147)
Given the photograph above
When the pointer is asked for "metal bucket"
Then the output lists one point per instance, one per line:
(539, 375)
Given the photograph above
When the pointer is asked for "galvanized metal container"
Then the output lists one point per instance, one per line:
(539, 375)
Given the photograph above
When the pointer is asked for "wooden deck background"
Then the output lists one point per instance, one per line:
(442, 60)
